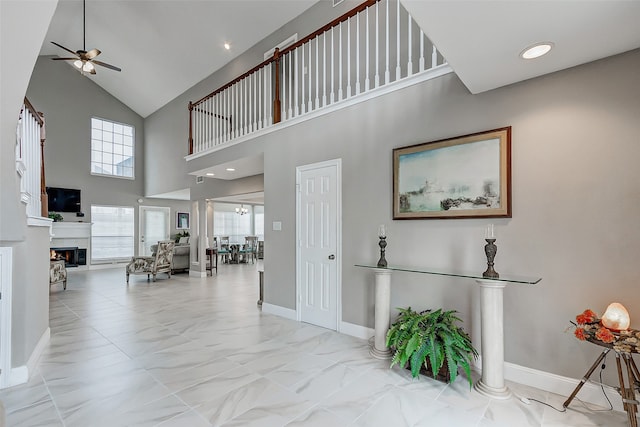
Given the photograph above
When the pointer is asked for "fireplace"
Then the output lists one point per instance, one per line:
(72, 256)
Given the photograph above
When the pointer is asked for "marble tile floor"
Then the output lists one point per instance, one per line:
(198, 352)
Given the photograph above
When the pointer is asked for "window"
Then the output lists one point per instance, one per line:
(258, 221)
(112, 148)
(112, 235)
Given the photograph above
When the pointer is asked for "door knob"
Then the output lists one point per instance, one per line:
(332, 256)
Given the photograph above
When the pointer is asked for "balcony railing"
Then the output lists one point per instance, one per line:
(373, 45)
(30, 135)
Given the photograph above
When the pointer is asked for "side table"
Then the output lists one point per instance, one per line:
(627, 391)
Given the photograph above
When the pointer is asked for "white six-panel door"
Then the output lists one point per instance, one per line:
(318, 233)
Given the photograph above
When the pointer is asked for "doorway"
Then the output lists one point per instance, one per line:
(154, 226)
(319, 237)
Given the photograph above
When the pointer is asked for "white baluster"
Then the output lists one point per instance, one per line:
(310, 100)
(332, 96)
(259, 89)
(409, 47)
(268, 98)
(244, 99)
(324, 69)
(434, 57)
(290, 79)
(398, 70)
(296, 83)
(349, 58)
(302, 102)
(317, 39)
(421, 51)
(366, 80)
(340, 65)
(358, 54)
(387, 74)
(377, 76)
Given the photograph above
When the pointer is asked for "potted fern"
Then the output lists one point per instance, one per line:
(431, 341)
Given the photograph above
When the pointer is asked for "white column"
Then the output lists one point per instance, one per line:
(492, 340)
(382, 303)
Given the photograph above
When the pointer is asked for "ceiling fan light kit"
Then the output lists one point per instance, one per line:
(83, 60)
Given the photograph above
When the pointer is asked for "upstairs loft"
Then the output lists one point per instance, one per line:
(375, 48)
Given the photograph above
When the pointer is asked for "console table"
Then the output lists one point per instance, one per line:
(491, 321)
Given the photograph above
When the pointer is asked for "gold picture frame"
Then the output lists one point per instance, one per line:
(466, 176)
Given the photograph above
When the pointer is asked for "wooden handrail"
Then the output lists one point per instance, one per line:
(353, 12)
(275, 59)
(35, 114)
(297, 44)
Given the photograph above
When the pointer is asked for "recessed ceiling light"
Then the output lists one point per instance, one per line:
(210, 174)
(231, 170)
(536, 50)
(227, 46)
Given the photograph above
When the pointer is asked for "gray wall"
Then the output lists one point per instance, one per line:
(69, 100)
(28, 22)
(30, 294)
(167, 129)
(576, 188)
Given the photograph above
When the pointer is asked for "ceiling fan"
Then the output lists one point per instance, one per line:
(83, 60)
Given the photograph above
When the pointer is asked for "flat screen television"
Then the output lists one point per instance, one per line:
(63, 199)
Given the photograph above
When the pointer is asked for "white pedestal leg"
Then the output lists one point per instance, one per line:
(382, 302)
(492, 330)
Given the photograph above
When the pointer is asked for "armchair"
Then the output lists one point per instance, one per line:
(58, 273)
(160, 263)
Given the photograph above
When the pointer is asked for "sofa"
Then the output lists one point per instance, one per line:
(181, 254)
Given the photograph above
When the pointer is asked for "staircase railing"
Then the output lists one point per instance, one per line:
(372, 45)
(30, 141)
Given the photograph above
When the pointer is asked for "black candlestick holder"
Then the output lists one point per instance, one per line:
(383, 244)
(490, 250)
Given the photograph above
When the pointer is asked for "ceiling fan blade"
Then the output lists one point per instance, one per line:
(104, 64)
(92, 53)
(93, 71)
(64, 59)
(62, 47)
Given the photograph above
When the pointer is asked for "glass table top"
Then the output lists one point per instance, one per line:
(510, 278)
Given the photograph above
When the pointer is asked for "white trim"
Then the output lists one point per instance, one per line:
(283, 44)
(430, 74)
(40, 221)
(196, 273)
(6, 284)
(20, 374)
(42, 344)
(277, 310)
(337, 163)
(564, 386)
(141, 209)
(100, 266)
(356, 330)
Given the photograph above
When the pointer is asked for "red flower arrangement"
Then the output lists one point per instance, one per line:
(589, 327)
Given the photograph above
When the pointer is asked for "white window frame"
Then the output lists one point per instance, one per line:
(93, 234)
(103, 152)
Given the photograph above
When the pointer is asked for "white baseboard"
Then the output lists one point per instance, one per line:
(279, 311)
(102, 266)
(356, 330)
(564, 386)
(20, 374)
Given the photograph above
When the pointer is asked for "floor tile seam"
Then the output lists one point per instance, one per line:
(53, 401)
(375, 401)
(198, 414)
(25, 406)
